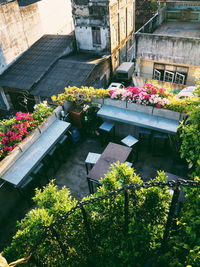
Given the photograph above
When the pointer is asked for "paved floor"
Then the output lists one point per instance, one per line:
(72, 174)
(180, 29)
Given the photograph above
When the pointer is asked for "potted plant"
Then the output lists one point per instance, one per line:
(79, 97)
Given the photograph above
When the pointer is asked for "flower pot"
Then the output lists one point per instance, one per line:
(77, 118)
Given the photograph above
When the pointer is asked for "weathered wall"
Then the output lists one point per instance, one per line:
(88, 14)
(100, 76)
(169, 49)
(122, 26)
(116, 21)
(84, 39)
(21, 27)
(140, 81)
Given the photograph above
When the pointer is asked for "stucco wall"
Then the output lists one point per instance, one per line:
(21, 27)
(169, 49)
(84, 39)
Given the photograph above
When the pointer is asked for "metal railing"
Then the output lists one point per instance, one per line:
(53, 231)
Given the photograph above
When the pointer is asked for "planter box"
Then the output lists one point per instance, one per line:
(47, 123)
(98, 101)
(29, 140)
(115, 103)
(10, 160)
(67, 105)
(14, 155)
(140, 108)
(57, 111)
(165, 113)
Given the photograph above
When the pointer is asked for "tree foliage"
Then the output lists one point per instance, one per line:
(105, 241)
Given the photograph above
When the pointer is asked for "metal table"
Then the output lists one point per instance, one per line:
(35, 153)
(112, 153)
(139, 119)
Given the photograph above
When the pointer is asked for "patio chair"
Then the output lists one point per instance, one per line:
(131, 142)
(107, 132)
(91, 160)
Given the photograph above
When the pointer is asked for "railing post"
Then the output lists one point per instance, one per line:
(126, 211)
(171, 215)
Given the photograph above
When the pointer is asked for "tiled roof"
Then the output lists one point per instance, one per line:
(64, 73)
(35, 62)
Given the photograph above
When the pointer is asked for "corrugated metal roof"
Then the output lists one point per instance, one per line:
(64, 73)
(35, 62)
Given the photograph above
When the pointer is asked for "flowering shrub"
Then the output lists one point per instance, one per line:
(79, 95)
(120, 94)
(14, 130)
(147, 95)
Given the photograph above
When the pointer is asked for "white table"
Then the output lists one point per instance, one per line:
(35, 153)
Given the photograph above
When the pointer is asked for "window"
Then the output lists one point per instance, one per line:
(96, 36)
(157, 75)
(168, 76)
(170, 73)
(179, 78)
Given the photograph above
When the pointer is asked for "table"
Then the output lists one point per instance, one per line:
(35, 153)
(139, 119)
(112, 153)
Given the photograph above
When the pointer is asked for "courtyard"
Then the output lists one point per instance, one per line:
(72, 174)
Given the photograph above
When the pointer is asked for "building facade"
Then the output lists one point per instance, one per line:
(105, 27)
(22, 25)
(167, 47)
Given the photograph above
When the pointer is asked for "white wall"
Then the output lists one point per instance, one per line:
(21, 27)
(56, 16)
(84, 38)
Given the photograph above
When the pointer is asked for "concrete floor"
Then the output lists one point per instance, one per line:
(72, 173)
(179, 29)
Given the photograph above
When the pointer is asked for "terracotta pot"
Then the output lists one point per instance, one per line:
(77, 118)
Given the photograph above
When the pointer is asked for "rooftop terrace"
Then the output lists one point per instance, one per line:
(179, 29)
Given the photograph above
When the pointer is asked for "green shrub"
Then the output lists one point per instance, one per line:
(185, 105)
(190, 141)
(111, 244)
(184, 244)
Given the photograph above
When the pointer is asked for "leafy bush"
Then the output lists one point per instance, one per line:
(104, 240)
(190, 137)
(185, 105)
(184, 244)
